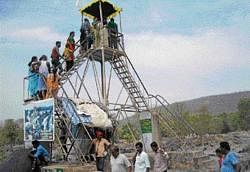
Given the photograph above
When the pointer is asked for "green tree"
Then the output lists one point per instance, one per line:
(128, 132)
(244, 110)
(10, 131)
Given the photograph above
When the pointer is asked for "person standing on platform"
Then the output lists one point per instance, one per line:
(113, 31)
(33, 77)
(44, 70)
(85, 29)
(52, 84)
(97, 36)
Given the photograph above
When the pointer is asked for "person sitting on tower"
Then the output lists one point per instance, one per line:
(113, 31)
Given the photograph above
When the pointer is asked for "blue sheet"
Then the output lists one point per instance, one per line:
(71, 112)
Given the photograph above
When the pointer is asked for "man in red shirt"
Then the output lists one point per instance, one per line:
(55, 57)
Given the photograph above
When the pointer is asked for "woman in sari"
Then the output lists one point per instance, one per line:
(69, 51)
(52, 84)
(33, 77)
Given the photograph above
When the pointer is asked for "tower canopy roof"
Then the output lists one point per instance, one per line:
(91, 10)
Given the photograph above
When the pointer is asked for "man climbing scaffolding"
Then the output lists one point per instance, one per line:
(55, 57)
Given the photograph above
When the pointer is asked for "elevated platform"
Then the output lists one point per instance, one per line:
(109, 53)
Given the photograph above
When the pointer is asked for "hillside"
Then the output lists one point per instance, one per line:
(215, 104)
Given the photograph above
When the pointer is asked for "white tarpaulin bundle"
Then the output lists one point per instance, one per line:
(99, 117)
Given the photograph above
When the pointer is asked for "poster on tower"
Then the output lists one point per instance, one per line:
(39, 120)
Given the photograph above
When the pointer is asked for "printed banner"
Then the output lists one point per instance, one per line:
(39, 120)
(146, 126)
(146, 129)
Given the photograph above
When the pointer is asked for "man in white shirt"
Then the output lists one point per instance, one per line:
(141, 160)
(119, 162)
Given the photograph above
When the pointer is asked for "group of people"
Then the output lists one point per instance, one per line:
(120, 163)
(228, 160)
(94, 34)
(43, 77)
(43, 81)
(38, 70)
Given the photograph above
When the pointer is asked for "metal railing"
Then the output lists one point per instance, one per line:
(162, 105)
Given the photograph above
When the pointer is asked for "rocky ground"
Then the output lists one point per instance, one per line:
(197, 154)
(194, 153)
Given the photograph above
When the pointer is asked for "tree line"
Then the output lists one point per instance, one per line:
(203, 122)
(10, 134)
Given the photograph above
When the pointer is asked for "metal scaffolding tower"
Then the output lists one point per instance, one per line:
(105, 76)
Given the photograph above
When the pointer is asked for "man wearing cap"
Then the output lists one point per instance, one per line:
(101, 146)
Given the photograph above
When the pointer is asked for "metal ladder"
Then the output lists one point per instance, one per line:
(129, 83)
(73, 144)
(79, 60)
(172, 119)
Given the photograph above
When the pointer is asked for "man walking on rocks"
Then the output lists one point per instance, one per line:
(231, 162)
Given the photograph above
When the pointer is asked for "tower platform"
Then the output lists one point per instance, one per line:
(109, 54)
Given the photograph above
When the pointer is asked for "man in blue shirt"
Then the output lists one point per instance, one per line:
(230, 162)
(39, 156)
